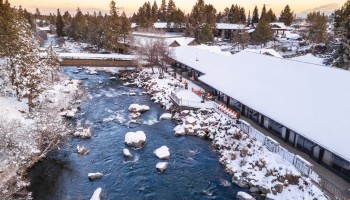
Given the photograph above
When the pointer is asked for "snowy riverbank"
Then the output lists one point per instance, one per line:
(249, 162)
(28, 137)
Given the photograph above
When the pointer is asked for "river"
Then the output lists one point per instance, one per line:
(194, 171)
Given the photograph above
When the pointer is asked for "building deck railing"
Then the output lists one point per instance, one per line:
(303, 166)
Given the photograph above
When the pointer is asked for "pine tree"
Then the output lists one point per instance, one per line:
(112, 32)
(317, 27)
(263, 32)
(286, 16)
(202, 22)
(270, 16)
(263, 12)
(59, 24)
(171, 14)
(162, 11)
(154, 12)
(37, 14)
(249, 21)
(255, 18)
(125, 29)
(78, 26)
(9, 34)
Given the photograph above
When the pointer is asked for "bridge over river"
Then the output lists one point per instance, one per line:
(96, 60)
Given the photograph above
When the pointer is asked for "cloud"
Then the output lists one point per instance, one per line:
(326, 9)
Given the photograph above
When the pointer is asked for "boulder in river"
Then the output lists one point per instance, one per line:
(127, 153)
(82, 150)
(165, 116)
(162, 152)
(93, 176)
(161, 166)
(97, 194)
(135, 139)
(138, 108)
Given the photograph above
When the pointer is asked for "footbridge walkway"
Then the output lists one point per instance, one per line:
(96, 60)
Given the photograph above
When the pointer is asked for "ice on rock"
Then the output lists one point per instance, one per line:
(244, 196)
(135, 139)
(127, 153)
(97, 194)
(162, 153)
(165, 116)
(161, 166)
(138, 108)
(93, 176)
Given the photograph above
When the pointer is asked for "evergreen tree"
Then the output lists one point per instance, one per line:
(242, 18)
(317, 27)
(59, 24)
(37, 13)
(111, 40)
(286, 16)
(78, 26)
(202, 22)
(125, 29)
(179, 20)
(263, 32)
(270, 16)
(263, 12)
(162, 11)
(9, 34)
(255, 18)
(154, 12)
(249, 21)
(171, 12)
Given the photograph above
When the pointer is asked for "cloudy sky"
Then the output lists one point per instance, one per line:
(130, 6)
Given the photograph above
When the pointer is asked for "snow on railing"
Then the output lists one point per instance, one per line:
(192, 104)
(298, 162)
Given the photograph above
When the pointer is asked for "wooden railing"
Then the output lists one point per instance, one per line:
(98, 63)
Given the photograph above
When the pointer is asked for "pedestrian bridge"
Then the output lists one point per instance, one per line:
(96, 60)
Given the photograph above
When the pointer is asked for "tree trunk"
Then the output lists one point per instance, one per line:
(30, 100)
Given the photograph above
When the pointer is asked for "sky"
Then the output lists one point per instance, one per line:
(300, 7)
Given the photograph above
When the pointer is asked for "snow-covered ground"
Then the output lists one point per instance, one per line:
(249, 162)
(20, 130)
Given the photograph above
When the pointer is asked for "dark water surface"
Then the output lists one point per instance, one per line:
(194, 171)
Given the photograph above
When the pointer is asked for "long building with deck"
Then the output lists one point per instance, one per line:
(306, 105)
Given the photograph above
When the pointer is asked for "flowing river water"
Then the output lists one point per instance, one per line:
(194, 171)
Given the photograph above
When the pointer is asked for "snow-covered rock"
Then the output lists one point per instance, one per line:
(127, 153)
(244, 196)
(112, 78)
(97, 194)
(83, 132)
(190, 120)
(179, 130)
(138, 108)
(82, 150)
(132, 94)
(162, 152)
(135, 139)
(161, 166)
(165, 116)
(93, 176)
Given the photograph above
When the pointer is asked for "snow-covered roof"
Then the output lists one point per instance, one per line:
(309, 58)
(162, 25)
(311, 100)
(228, 26)
(133, 25)
(157, 35)
(46, 28)
(270, 52)
(293, 36)
(182, 41)
(278, 25)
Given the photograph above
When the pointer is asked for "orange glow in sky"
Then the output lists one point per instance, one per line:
(130, 6)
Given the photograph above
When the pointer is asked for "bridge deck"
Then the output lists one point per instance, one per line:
(98, 63)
